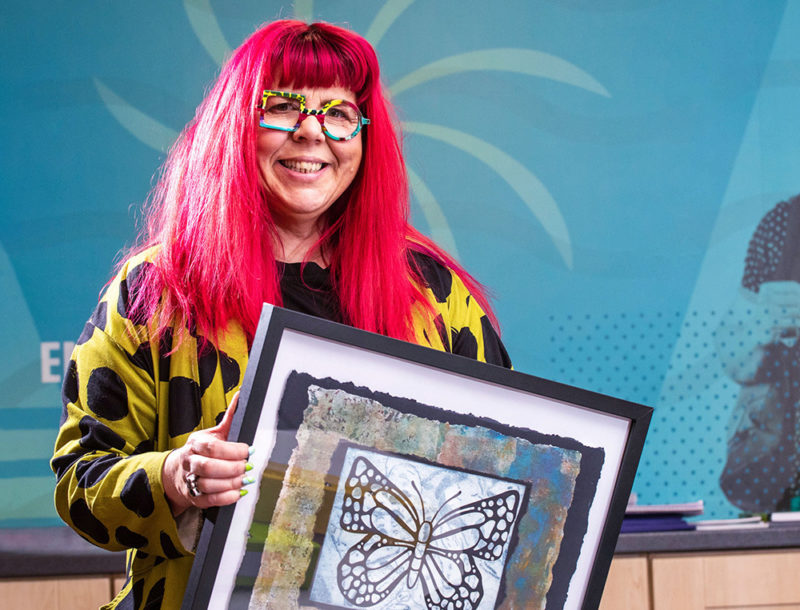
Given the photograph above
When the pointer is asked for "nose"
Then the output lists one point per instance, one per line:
(310, 127)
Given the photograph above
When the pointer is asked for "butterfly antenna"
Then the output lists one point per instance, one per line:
(421, 502)
(450, 499)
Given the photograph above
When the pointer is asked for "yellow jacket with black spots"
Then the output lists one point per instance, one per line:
(128, 402)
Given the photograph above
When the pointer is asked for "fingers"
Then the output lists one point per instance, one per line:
(218, 486)
(219, 468)
(203, 444)
(214, 468)
(212, 442)
(224, 427)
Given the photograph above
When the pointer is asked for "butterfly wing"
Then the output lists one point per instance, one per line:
(374, 506)
(451, 580)
(480, 529)
(372, 568)
(450, 577)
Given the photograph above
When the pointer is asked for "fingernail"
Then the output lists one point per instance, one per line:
(248, 467)
(251, 450)
(248, 480)
(242, 493)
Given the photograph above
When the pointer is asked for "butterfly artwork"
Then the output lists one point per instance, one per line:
(406, 551)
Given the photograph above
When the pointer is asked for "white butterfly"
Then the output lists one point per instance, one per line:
(400, 544)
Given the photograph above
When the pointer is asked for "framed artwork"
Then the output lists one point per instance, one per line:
(396, 476)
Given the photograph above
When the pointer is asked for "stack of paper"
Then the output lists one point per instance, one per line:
(785, 518)
(715, 525)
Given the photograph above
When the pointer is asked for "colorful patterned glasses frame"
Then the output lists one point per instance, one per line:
(285, 111)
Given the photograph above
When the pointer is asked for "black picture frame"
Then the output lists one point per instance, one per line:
(295, 356)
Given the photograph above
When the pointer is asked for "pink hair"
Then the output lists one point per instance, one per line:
(210, 217)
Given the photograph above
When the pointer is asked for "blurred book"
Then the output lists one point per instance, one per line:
(659, 517)
(712, 525)
(654, 523)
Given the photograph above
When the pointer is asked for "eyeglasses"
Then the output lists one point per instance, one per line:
(341, 120)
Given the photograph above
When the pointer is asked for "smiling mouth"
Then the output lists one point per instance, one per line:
(304, 167)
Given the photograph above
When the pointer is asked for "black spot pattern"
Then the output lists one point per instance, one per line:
(165, 347)
(494, 351)
(143, 359)
(145, 446)
(128, 291)
(206, 365)
(69, 389)
(91, 471)
(98, 320)
(184, 405)
(98, 436)
(229, 369)
(435, 275)
(155, 596)
(464, 342)
(86, 333)
(137, 495)
(170, 552)
(62, 463)
(130, 539)
(100, 315)
(219, 417)
(442, 330)
(106, 394)
(86, 522)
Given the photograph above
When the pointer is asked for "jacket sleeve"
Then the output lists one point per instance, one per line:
(109, 487)
(461, 325)
(471, 331)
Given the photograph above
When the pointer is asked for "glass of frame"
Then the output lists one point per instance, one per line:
(395, 476)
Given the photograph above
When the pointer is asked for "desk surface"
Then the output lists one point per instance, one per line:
(58, 551)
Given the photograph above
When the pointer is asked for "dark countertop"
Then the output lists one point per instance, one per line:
(772, 537)
(53, 551)
(57, 551)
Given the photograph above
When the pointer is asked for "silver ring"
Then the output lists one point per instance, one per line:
(191, 483)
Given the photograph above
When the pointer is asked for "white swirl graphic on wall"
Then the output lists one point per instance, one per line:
(533, 193)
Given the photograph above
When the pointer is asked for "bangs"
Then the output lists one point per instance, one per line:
(316, 58)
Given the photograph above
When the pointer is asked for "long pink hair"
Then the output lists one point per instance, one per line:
(211, 219)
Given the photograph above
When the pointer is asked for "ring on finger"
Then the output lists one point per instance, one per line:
(191, 484)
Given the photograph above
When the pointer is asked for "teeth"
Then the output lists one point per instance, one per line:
(304, 167)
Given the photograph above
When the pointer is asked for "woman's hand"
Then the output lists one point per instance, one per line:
(782, 300)
(218, 467)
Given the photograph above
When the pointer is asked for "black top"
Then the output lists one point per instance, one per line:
(307, 288)
(309, 292)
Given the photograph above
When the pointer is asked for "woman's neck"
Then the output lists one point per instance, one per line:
(297, 244)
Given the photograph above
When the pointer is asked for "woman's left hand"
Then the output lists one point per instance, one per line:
(208, 470)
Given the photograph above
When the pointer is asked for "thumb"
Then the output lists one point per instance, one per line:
(222, 429)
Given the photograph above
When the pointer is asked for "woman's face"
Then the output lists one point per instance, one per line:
(305, 172)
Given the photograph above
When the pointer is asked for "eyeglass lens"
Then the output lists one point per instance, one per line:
(341, 120)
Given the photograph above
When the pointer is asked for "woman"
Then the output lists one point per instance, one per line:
(757, 344)
(287, 187)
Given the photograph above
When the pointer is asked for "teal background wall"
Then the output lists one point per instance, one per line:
(600, 164)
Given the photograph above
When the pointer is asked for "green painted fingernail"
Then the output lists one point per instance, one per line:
(248, 467)
(248, 480)
(242, 492)
(251, 450)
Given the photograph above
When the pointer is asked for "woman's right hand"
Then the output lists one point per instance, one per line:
(218, 465)
(782, 300)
